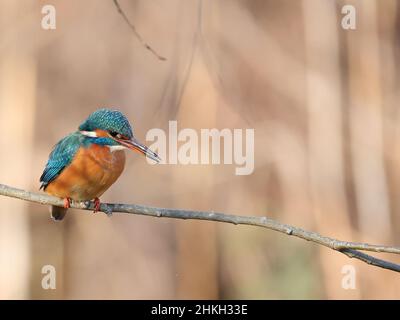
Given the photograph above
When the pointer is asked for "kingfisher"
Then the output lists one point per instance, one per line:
(85, 163)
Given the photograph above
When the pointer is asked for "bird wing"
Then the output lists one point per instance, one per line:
(60, 157)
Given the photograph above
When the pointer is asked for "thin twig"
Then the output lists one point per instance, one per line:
(138, 36)
(350, 249)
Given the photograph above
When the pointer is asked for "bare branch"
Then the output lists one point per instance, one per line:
(350, 249)
(138, 36)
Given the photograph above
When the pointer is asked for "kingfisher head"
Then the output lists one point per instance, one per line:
(112, 128)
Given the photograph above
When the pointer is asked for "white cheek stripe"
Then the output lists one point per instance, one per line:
(94, 135)
(89, 133)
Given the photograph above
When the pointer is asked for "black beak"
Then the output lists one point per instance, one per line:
(133, 144)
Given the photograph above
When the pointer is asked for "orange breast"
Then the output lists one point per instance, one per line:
(92, 171)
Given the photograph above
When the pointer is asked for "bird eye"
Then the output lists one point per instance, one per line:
(115, 134)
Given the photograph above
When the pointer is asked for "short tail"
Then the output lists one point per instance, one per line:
(58, 213)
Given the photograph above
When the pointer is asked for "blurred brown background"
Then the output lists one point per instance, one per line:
(324, 105)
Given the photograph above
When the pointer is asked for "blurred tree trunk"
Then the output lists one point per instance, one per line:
(17, 106)
(197, 267)
(366, 118)
(390, 58)
(365, 98)
(326, 167)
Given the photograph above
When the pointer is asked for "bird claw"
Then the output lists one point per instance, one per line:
(97, 205)
(67, 203)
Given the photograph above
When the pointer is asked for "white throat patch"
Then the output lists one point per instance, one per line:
(115, 148)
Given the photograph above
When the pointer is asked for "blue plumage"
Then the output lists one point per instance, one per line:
(61, 156)
(108, 120)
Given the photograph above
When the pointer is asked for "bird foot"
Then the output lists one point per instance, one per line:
(97, 204)
(67, 203)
